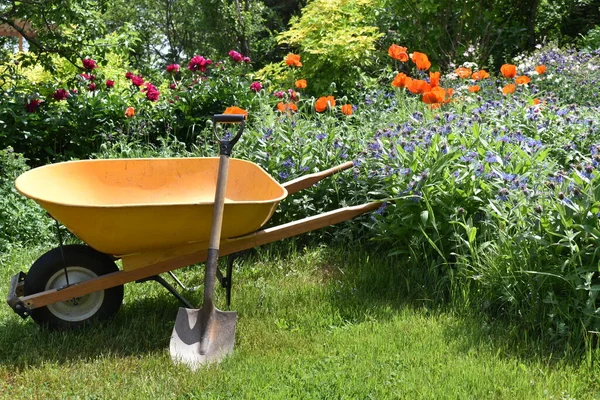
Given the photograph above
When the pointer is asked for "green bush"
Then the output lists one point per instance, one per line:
(337, 42)
(22, 222)
(591, 40)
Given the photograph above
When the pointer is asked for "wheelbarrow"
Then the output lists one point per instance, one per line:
(155, 216)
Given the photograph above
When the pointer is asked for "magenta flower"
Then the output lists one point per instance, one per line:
(33, 105)
(173, 86)
(199, 63)
(246, 60)
(280, 94)
(61, 94)
(256, 86)
(137, 80)
(88, 77)
(235, 56)
(129, 75)
(110, 83)
(89, 64)
(152, 93)
(92, 87)
(172, 68)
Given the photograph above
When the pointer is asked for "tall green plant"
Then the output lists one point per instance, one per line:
(336, 40)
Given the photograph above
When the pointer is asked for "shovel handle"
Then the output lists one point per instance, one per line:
(217, 219)
(226, 146)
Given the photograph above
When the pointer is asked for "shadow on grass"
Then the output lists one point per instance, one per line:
(142, 326)
(370, 286)
(360, 286)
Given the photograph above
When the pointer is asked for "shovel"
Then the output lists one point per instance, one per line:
(208, 334)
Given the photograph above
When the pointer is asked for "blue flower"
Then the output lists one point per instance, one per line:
(284, 175)
(503, 194)
(287, 163)
(491, 158)
(469, 156)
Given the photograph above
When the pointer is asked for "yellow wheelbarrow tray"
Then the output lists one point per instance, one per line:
(154, 215)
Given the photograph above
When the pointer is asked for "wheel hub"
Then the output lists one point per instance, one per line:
(77, 308)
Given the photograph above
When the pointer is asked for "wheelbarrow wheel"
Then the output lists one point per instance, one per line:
(82, 263)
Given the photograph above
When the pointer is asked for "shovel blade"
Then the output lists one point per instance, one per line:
(202, 336)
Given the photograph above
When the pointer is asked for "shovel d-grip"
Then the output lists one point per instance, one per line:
(208, 334)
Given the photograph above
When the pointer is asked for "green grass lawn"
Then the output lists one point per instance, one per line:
(317, 323)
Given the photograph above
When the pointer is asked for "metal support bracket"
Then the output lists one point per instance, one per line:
(170, 288)
(17, 283)
(226, 280)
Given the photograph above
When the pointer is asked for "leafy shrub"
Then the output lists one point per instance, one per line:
(337, 40)
(591, 40)
(46, 125)
(22, 222)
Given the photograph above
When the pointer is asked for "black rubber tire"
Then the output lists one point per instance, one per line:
(85, 259)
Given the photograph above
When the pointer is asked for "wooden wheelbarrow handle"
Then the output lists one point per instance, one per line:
(295, 185)
(227, 246)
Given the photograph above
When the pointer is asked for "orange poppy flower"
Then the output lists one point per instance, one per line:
(463, 72)
(421, 60)
(129, 112)
(436, 95)
(508, 70)
(522, 80)
(540, 69)
(434, 79)
(398, 53)
(236, 110)
(510, 88)
(481, 74)
(400, 80)
(418, 86)
(283, 107)
(536, 101)
(323, 102)
(347, 109)
(293, 60)
(430, 98)
(301, 84)
(474, 89)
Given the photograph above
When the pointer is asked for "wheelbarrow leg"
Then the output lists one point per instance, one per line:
(170, 288)
(227, 280)
(176, 279)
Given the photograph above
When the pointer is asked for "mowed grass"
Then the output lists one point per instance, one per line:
(313, 323)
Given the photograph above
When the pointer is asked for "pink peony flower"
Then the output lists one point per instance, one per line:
(172, 68)
(110, 83)
(89, 64)
(293, 94)
(88, 77)
(92, 87)
(129, 75)
(235, 56)
(152, 93)
(61, 94)
(256, 86)
(246, 60)
(199, 63)
(33, 105)
(137, 80)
